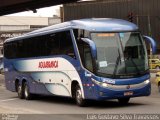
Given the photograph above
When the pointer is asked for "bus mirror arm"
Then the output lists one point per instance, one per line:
(152, 42)
(92, 46)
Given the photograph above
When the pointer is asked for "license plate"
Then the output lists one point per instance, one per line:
(128, 93)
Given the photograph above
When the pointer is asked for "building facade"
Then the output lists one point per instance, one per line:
(11, 26)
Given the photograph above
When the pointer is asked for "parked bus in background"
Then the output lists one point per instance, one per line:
(87, 59)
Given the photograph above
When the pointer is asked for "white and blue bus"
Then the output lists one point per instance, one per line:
(87, 59)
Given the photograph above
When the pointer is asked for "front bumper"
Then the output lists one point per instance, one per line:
(105, 93)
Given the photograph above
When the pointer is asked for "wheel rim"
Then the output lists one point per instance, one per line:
(79, 96)
(26, 91)
(19, 90)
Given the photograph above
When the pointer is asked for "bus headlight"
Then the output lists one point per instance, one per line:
(104, 85)
(146, 82)
(100, 83)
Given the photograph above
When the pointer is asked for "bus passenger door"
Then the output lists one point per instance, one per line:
(87, 62)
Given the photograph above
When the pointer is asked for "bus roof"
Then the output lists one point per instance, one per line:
(93, 24)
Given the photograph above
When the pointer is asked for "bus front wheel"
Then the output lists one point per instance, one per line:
(123, 101)
(20, 91)
(78, 96)
(27, 93)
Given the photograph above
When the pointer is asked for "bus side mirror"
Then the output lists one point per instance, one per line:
(152, 42)
(92, 46)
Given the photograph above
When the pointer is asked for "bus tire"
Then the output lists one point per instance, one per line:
(20, 91)
(123, 101)
(27, 94)
(78, 97)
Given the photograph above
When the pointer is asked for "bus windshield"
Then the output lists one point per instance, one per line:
(120, 54)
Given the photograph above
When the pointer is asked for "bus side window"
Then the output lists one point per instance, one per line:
(54, 46)
(88, 58)
(66, 44)
(10, 50)
(85, 54)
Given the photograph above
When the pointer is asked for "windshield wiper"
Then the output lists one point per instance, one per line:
(117, 63)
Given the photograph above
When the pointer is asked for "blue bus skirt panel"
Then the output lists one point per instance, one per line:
(97, 92)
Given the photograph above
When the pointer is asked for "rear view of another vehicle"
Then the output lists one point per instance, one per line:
(158, 80)
(154, 64)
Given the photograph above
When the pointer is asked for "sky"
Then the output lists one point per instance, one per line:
(43, 12)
